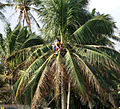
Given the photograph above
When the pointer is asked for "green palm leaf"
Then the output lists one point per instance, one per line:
(13, 37)
(95, 26)
(39, 51)
(88, 73)
(72, 70)
(109, 51)
(39, 82)
(31, 73)
(97, 57)
(20, 55)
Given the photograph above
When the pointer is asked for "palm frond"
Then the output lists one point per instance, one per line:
(35, 20)
(109, 51)
(115, 37)
(36, 64)
(98, 57)
(103, 40)
(32, 40)
(100, 78)
(72, 70)
(24, 39)
(93, 27)
(5, 5)
(90, 76)
(39, 51)
(12, 38)
(40, 81)
(31, 74)
(17, 85)
(21, 37)
(20, 56)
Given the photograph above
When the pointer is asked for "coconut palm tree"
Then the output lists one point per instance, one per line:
(80, 62)
(25, 8)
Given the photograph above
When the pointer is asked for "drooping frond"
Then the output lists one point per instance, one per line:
(39, 51)
(72, 70)
(109, 51)
(88, 73)
(34, 20)
(97, 57)
(40, 78)
(36, 64)
(103, 40)
(89, 31)
(17, 85)
(20, 56)
(31, 74)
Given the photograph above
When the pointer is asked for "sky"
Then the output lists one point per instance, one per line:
(111, 7)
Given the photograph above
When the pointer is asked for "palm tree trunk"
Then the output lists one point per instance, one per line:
(63, 94)
(68, 97)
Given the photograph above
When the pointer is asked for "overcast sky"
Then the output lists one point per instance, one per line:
(111, 7)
